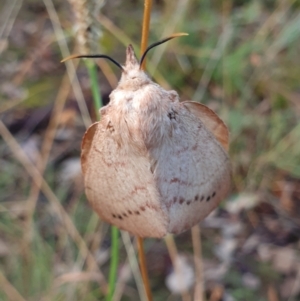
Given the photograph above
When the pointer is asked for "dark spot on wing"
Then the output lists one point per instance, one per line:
(172, 115)
(110, 127)
(114, 216)
(142, 208)
(120, 217)
(208, 198)
(181, 200)
(202, 198)
(137, 212)
(175, 180)
(124, 214)
(213, 194)
(188, 202)
(196, 198)
(129, 212)
(175, 199)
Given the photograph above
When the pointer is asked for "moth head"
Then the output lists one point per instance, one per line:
(133, 77)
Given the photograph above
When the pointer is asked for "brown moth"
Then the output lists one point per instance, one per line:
(154, 165)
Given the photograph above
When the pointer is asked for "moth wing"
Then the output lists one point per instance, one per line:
(192, 168)
(86, 145)
(211, 120)
(119, 184)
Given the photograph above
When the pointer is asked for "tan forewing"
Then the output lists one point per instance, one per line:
(118, 182)
(211, 120)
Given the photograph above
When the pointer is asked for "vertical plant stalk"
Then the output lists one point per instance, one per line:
(145, 29)
(113, 263)
(143, 266)
(196, 239)
(141, 252)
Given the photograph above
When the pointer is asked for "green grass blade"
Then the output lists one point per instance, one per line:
(92, 70)
(113, 263)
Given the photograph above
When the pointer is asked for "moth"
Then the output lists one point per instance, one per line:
(154, 165)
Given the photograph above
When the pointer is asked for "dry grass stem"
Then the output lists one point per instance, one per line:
(215, 56)
(134, 265)
(272, 294)
(108, 73)
(115, 31)
(8, 17)
(199, 281)
(87, 34)
(42, 160)
(9, 289)
(172, 249)
(46, 147)
(37, 177)
(176, 17)
(143, 267)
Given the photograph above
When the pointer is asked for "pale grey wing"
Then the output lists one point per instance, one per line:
(120, 185)
(192, 170)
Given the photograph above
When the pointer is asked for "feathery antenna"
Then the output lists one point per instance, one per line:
(76, 56)
(95, 56)
(175, 35)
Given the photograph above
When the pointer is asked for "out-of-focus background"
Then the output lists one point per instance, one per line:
(241, 58)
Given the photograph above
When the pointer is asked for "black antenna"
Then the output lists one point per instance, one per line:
(95, 56)
(175, 35)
